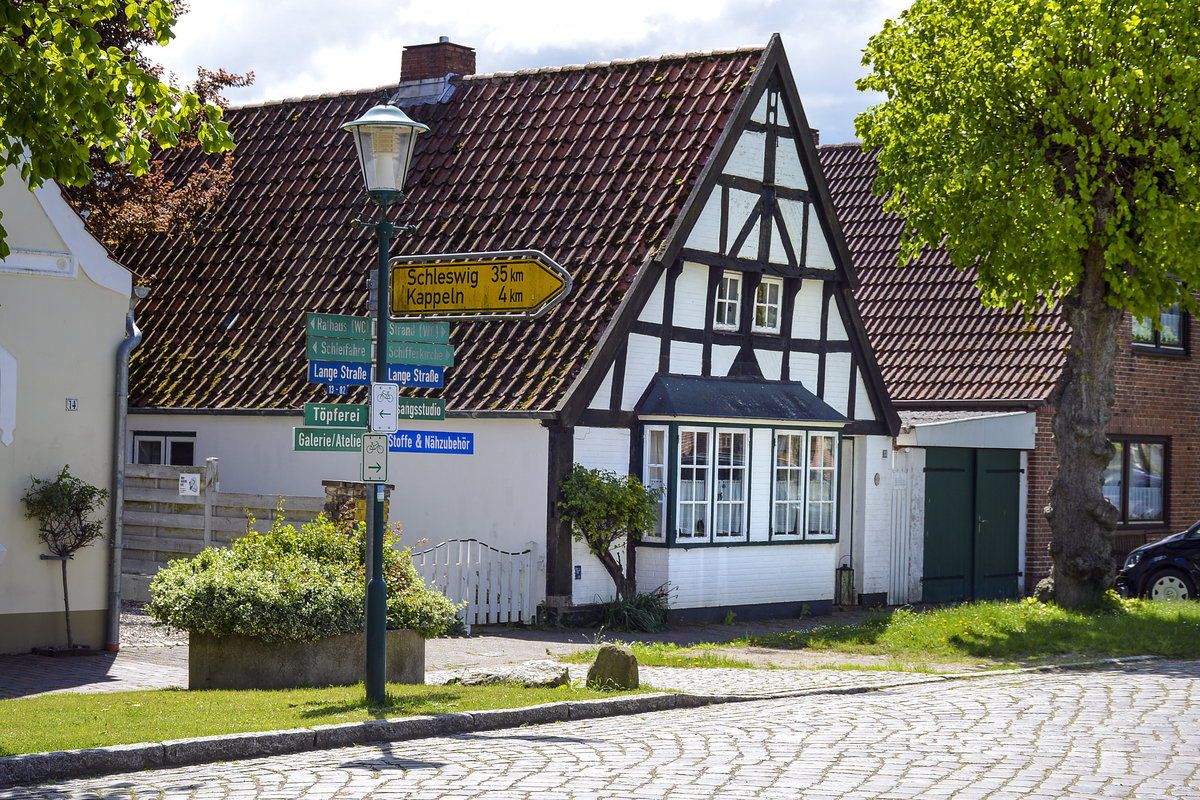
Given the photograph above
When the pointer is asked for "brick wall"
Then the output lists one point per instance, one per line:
(436, 60)
(1157, 395)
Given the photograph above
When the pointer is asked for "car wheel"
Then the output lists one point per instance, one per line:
(1170, 585)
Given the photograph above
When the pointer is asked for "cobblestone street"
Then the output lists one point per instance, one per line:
(1115, 732)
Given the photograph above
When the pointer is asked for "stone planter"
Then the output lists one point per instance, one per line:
(238, 662)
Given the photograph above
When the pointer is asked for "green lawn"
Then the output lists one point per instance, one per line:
(70, 721)
(987, 634)
(1011, 632)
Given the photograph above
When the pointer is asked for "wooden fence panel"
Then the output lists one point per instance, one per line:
(162, 524)
(495, 585)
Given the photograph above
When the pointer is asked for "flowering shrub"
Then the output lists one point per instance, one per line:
(292, 585)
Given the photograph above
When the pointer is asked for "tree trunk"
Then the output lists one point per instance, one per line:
(67, 604)
(1082, 521)
(624, 580)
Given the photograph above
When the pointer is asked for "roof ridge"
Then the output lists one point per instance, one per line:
(616, 62)
(390, 88)
(521, 73)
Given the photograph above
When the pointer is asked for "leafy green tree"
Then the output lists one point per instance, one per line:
(62, 508)
(1052, 147)
(604, 509)
(75, 91)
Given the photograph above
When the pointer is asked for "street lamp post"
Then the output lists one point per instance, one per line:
(384, 139)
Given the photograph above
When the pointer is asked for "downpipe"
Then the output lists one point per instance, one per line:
(133, 337)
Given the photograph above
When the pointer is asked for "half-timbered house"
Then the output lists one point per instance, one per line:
(711, 344)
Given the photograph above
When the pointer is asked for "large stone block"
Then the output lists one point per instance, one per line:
(615, 667)
(239, 662)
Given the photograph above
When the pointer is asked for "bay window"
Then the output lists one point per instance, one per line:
(714, 483)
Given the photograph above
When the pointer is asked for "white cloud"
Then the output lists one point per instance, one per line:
(303, 47)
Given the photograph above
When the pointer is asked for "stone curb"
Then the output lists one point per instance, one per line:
(42, 767)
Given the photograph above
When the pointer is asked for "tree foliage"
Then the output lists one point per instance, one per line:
(63, 508)
(1053, 146)
(605, 509)
(79, 104)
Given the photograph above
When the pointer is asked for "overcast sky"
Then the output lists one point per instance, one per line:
(304, 47)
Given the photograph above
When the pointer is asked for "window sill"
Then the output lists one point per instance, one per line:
(1166, 352)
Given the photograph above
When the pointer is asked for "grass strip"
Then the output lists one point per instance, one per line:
(666, 654)
(1007, 632)
(69, 721)
(989, 634)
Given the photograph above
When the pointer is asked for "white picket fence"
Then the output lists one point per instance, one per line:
(496, 586)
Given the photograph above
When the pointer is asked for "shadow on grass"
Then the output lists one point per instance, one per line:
(869, 632)
(1023, 631)
(1111, 635)
(396, 706)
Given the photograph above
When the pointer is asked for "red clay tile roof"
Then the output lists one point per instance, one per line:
(933, 337)
(588, 164)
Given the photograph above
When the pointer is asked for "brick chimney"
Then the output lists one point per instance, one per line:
(424, 61)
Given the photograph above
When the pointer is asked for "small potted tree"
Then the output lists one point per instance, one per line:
(62, 508)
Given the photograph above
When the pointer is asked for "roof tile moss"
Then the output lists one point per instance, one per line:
(588, 164)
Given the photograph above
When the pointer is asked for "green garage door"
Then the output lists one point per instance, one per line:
(971, 527)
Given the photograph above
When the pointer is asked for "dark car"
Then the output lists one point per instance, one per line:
(1168, 569)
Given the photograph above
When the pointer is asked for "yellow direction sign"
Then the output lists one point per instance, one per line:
(519, 283)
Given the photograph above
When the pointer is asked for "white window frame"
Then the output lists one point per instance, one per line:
(167, 442)
(654, 475)
(696, 511)
(812, 515)
(711, 507)
(768, 303)
(822, 476)
(731, 512)
(728, 303)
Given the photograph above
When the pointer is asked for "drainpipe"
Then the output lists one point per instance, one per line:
(133, 337)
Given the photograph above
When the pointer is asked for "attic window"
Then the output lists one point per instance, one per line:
(728, 305)
(768, 299)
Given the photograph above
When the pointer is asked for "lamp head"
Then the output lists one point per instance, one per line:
(384, 138)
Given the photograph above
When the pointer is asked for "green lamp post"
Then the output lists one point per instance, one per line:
(384, 138)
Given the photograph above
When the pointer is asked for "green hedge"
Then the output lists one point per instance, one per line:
(292, 585)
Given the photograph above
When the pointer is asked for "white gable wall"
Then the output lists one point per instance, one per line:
(62, 321)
